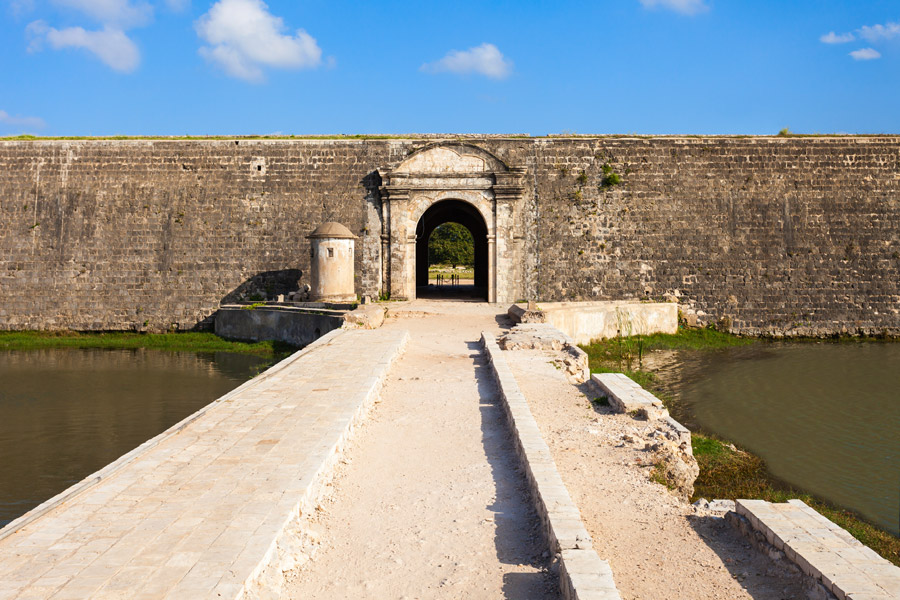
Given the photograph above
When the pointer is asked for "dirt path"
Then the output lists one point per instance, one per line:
(431, 503)
(657, 546)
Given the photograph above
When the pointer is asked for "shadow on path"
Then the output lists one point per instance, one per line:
(758, 574)
(517, 538)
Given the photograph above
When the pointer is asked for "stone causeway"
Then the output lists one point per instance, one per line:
(213, 508)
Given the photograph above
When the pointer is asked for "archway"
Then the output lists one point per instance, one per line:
(451, 181)
(452, 211)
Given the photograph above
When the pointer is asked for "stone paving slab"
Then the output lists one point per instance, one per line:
(626, 396)
(211, 510)
(823, 550)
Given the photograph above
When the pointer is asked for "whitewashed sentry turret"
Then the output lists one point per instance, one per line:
(331, 248)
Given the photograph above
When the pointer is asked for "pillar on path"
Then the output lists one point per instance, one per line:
(331, 261)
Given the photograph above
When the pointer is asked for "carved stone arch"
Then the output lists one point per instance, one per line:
(449, 171)
(481, 204)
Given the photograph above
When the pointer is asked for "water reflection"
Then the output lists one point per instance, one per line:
(825, 417)
(66, 413)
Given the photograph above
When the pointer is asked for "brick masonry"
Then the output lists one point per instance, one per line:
(766, 235)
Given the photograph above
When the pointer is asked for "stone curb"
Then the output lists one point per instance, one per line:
(115, 466)
(583, 575)
(836, 563)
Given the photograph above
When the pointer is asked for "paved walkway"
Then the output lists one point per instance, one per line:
(433, 503)
(197, 515)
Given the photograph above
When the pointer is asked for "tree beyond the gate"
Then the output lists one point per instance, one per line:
(451, 244)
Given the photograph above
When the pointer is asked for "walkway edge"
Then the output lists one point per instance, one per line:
(285, 551)
(583, 575)
(112, 468)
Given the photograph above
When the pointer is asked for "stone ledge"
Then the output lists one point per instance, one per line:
(627, 396)
(837, 564)
(543, 336)
(671, 440)
(583, 575)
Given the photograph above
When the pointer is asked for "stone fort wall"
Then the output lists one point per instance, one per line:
(770, 235)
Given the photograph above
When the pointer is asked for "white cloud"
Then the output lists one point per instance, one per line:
(31, 122)
(109, 44)
(837, 38)
(21, 7)
(244, 37)
(865, 54)
(685, 7)
(485, 60)
(876, 33)
(122, 13)
(178, 5)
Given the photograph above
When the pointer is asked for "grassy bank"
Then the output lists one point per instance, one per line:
(190, 342)
(726, 471)
(624, 355)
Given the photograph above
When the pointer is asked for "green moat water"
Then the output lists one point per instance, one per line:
(824, 416)
(66, 413)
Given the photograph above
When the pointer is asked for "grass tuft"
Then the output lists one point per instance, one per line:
(734, 473)
(176, 342)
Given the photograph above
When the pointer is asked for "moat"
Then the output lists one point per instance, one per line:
(67, 413)
(824, 416)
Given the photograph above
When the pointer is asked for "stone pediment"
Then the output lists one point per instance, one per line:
(450, 159)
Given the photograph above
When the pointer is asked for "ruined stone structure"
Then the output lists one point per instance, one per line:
(771, 235)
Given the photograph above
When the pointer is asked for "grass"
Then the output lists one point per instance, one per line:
(624, 354)
(621, 348)
(414, 136)
(733, 474)
(726, 472)
(176, 342)
(658, 475)
(467, 273)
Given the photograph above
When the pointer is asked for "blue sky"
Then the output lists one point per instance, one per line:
(234, 67)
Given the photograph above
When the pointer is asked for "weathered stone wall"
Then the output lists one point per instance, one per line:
(771, 235)
(797, 235)
(119, 234)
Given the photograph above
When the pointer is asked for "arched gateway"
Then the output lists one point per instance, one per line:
(452, 182)
(463, 213)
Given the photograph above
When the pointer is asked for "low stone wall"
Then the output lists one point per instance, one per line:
(673, 445)
(588, 321)
(583, 575)
(294, 326)
(836, 564)
(543, 336)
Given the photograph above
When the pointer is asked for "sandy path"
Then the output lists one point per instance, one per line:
(431, 503)
(656, 545)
